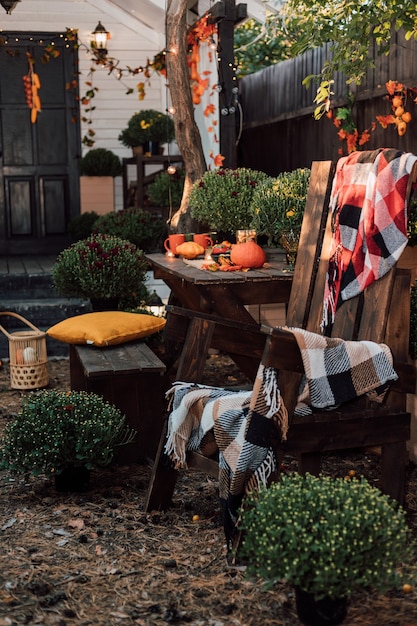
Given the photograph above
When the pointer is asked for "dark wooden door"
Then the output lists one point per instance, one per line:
(39, 180)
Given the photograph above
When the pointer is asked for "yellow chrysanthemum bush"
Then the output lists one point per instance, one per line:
(278, 204)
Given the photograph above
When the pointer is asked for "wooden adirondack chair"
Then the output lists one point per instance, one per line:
(381, 314)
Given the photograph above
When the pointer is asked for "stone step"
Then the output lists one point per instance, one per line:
(42, 313)
(26, 287)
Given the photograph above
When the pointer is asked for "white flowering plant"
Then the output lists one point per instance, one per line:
(221, 199)
(55, 430)
(327, 536)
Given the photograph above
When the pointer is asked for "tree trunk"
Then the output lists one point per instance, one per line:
(186, 130)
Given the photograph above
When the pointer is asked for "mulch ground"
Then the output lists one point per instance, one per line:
(97, 559)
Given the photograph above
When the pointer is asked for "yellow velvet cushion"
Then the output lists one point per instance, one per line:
(107, 328)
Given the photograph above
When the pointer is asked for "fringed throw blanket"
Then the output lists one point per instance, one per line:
(338, 371)
(247, 427)
(369, 217)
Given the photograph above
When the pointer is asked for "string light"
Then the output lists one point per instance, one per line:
(171, 169)
(212, 44)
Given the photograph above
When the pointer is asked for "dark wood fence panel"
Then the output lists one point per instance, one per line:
(279, 131)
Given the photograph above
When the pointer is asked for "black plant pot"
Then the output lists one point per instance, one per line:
(73, 479)
(151, 147)
(324, 612)
(104, 304)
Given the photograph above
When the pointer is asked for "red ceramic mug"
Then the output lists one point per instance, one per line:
(204, 240)
(172, 241)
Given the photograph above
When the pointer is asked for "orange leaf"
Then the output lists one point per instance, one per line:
(385, 120)
(218, 159)
(209, 110)
(364, 138)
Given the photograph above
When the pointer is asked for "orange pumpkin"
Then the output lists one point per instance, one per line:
(189, 249)
(248, 254)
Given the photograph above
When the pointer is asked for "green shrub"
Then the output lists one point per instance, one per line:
(328, 536)
(412, 223)
(59, 429)
(82, 226)
(100, 162)
(167, 189)
(147, 125)
(101, 266)
(221, 199)
(144, 230)
(278, 204)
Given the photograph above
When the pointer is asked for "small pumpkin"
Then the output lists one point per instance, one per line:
(248, 254)
(189, 249)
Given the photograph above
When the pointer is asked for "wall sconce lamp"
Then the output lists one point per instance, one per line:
(99, 41)
(8, 5)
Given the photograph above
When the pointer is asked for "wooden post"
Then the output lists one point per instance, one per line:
(228, 80)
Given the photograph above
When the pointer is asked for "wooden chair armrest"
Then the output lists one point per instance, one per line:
(407, 377)
(281, 350)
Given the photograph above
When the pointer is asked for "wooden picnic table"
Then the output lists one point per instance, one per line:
(225, 294)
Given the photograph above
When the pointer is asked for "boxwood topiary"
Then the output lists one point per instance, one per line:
(81, 226)
(100, 162)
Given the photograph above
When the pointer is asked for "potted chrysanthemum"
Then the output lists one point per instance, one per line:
(145, 127)
(221, 199)
(278, 204)
(327, 537)
(63, 435)
(103, 268)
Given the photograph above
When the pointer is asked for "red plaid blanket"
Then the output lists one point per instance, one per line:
(369, 213)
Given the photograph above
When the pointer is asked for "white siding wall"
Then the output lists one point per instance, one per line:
(131, 42)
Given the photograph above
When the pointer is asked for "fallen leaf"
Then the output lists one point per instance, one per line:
(76, 523)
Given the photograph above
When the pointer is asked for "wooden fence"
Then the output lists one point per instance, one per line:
(279, 132)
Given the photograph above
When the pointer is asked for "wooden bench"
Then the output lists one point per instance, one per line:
(130, 376)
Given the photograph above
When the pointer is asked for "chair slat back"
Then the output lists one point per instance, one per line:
(310, 247)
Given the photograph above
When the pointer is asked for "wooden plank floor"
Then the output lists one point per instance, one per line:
(31, 265)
